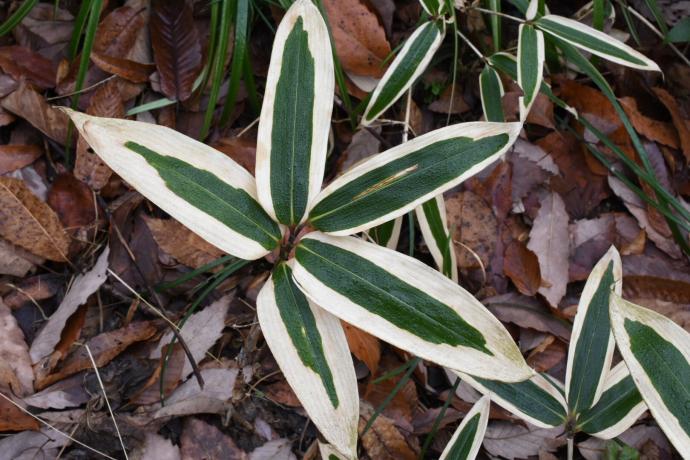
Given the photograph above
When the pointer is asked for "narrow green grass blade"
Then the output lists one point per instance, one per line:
(79, 23)
(16, 17)
(239, 53)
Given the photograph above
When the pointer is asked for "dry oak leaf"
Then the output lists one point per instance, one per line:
(360, 39)
(548, 239)
(679, 121)
(134, 71)
(33, 107)
(181, 243)
(29, 222)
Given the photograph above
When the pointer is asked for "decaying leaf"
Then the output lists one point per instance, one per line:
(178, 241)
(547, 240)
(360, 40)
(156, 447)
(33, 107)
(513, 441)
(364, 346)
(200, 332)
(176, 47)
(80, 290)
(522, 266)
(104, 348)
(189, 399)
(473, 224)
(30, 223)
(14, 260)
(133, 71)
(15, 362)
(17, 156)
(202, 440)
(383, 440)
(106, 101)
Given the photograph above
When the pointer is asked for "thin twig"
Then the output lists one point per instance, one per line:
(498, 13)
(107, 402)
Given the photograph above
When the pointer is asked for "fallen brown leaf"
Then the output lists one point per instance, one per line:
(364, 346)
(522, 267)
(474, 225)
(181, 243)
(80, 290)
(360, 40)
(106, 101)
(403, 405)
(30, 223)
(383, 441)
(176, 47)
(16, 261)
(104, 348)
(240, 149)
(17, 156)
(443, 103)
(73, 201)
(133, 71)
(33, 107)
(23, 63)
(679, 121)
(15, 362)
(654, 130)
(548, 239)
(199, 440)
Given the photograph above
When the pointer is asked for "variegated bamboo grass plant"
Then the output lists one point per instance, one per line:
(596, 399)
(322, 273)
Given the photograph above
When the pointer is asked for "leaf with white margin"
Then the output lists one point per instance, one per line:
(295, 116)
(396, 181)
(618, 408)
(387, 234)
(406, 303)
(311, 349)
(467, 439)
(591, 343)
(657, 353)
(595, 42)
(530, 66)
(407, 66)
(433, 7)
(491, 92)
(535, 400)
(434, 227)
(199, 186)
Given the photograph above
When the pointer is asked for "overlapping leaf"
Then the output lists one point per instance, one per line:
(396, 181)
(434, 227)
(657, 352)
(467, 439)
(530, 66)
(407, 304)
(407, 66)
(196, 184)
(311, 349)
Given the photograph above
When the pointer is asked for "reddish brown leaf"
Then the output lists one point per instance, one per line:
(522, 267)
(17, 156)
(30, 223)
(176, 47)
(654, 130)
(14, 419)
(443, 103)
(73, 202)
(133, 71)
(106, 101)
(679, 121)
(15, 363)
(199, 440)
(402, 407)
(104, 348)
(549, 353)
(360, 40)
(365, 347)
(23, 63)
